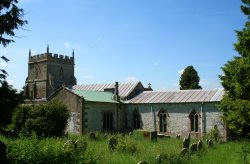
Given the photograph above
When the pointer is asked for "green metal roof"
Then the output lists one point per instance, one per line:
(95, 96)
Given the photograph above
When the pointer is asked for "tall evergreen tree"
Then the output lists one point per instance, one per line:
(189, 79)
(235, 105)
(10, 19)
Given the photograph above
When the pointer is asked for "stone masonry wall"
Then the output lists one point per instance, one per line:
(93, 116)
(178, 121)
(74, 105)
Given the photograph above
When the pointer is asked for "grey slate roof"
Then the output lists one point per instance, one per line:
(182, 96)
(124, 88)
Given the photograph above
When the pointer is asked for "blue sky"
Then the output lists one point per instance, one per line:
(129, 40)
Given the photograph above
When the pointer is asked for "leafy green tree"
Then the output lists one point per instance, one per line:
(9, 100)
(48, 119)
(235, 105)
(189, 79)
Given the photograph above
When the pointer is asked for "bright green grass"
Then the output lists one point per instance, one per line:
(228, 153)
(98, 151)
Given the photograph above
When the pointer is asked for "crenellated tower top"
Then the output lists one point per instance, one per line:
(51, 57)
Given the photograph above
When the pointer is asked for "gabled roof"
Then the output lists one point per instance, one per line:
(182, 96)
(94, 96)
(125, 89)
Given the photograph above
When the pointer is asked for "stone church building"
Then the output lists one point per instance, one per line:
(117, 106)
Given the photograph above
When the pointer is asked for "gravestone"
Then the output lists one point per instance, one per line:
(199, 145)
(184, 151)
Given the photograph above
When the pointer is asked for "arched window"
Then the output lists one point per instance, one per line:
(194, 121)
(162, 121)
(136, 119)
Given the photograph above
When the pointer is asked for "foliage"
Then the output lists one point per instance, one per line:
(47, 150)
(9, 99)
(236, 81)
(44, 120)
(166, 150)
(236, 114)
(52, 150)
(189, 79)
(10, 19)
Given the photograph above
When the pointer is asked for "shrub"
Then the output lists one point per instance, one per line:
(49, 150)
(47, 119)
(214, 134)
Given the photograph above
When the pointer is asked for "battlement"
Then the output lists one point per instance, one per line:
(51, 57)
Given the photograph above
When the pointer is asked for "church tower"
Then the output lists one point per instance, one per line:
(47, 72)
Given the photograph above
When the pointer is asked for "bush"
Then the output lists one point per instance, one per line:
(47, 150)
(47, 119)
(214, 134)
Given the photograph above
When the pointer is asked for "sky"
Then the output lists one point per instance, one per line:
(129, 40)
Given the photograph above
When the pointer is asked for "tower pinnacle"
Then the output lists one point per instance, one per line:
(47, 48)
(30, 53)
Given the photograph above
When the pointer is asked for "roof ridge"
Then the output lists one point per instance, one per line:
(132, 88)
(123, 83)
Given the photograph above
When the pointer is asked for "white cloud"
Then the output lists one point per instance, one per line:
(88, 77)
(66, 45)
(180, 72)
(3, 65)
(131, 79)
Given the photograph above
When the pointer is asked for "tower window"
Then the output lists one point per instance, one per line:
(61, 71)
(37, 71)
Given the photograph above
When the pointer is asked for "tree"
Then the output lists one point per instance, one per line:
(235, 105)
(10, 19)
(189, 79)
(8, 102)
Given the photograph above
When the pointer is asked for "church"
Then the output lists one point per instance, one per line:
(119, 107)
